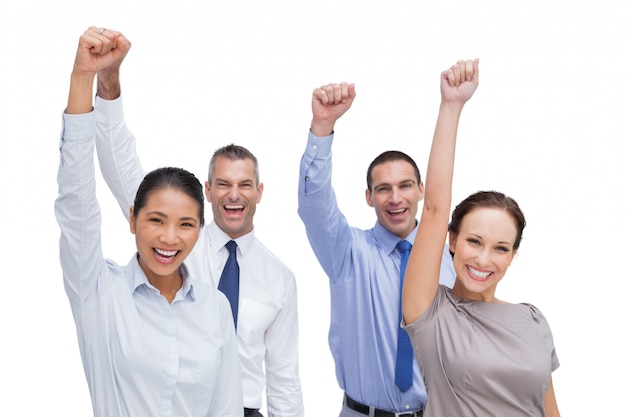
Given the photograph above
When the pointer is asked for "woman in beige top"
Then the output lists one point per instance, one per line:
(479, 355)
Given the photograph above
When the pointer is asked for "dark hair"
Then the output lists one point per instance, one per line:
(234, 153)
(390, 156)
(175, 179)
(489, 199)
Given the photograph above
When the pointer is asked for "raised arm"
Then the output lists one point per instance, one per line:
(115, 143)
(76, 207)
(458, 84)
(326, 227)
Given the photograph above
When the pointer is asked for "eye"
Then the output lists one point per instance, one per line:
(188, 225)
(406, 185)
(472, 241)
(382, 189)
(503, 249)
(155, 220)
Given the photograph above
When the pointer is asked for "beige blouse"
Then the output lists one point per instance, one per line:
(483, 359)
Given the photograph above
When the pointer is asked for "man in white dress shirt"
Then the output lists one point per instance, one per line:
(267, 323)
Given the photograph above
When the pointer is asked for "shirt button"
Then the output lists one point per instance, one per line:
(314, 147)
(406, 407)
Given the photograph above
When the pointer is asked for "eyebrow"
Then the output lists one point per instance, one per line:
(247, 180)
(481, 238)
(158, 213)
(386, 184)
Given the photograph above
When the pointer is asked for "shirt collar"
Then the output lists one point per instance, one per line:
(137, 278)
(218, 239)
(388, 240)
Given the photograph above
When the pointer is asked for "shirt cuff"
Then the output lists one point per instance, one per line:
(77, 126)
(319, 144)
(109, 111)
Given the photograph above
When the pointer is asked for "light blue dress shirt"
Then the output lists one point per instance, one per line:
(365, 289)
(142, 356)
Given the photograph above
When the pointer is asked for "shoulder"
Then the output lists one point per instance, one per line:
(270, 260)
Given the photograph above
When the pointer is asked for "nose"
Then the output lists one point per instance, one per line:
(169, 235)
(482, 257)
(395, 195)
(233, 192)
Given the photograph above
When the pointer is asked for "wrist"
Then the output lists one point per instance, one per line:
(451, 106)
(109, 87)
(322, 128)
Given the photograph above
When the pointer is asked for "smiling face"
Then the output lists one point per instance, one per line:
(395, 193)
(483, 250)
(233, 193)
(166, 229)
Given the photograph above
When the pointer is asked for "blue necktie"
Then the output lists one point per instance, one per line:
(229, 282)
(404, 354)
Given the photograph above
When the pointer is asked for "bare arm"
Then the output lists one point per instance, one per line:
(422, 274)
(550, 402)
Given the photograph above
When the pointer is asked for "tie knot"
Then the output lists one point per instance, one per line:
(404, 246)
(232, 246)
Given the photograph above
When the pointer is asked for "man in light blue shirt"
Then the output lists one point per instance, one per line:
(363, 265)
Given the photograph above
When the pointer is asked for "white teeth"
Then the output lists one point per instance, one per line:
(165, 252)
(233, 207)
(396, 211)
(478, 274)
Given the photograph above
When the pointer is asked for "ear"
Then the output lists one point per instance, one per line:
(207, 191)
(368, 198)
(452, 241)
(132, 220)
(420, 188)
(259, 192)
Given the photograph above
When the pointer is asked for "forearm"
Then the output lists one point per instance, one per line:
(117, 153)
(80, 96)
(109, 87)
(422, 273)
(326, 227)
(438, 193)
(77, 211)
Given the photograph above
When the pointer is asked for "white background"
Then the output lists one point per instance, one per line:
(546, 126)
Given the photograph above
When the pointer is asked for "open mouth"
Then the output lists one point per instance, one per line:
(233, 208)
(477, 274)
(396, 212)
(165, 256)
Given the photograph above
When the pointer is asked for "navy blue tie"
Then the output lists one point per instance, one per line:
(404, 354)
(229, 282)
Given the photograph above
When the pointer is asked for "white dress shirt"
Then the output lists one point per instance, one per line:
(142, 355)
(267, 325)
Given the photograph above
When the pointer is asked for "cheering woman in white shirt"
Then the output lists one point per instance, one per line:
(154, 341)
